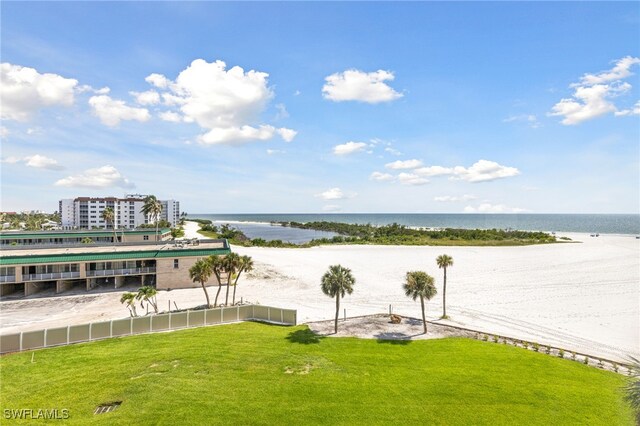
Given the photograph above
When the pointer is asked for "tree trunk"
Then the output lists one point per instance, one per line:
(444, 295)
(233, 300)
(337, 312)
(215, 303)
(206, 294)
(424, 318)
(226, 299)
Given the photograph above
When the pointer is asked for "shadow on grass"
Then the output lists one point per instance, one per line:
(393, 338)
(304, 337)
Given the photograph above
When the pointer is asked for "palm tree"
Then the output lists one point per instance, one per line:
(246, 265)
(420, 284)
(218, 267)
(152, 208)
(148, 294)
(444, 261)
(109, 216)
(201, 272)
(130, 300)
(632, 390)
(232, 263)
(337, 282)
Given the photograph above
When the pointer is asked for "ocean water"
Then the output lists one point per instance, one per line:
(257, 225)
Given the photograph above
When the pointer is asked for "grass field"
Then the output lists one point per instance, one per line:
(252, 373)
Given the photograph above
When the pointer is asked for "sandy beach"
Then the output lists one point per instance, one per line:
(581, 296)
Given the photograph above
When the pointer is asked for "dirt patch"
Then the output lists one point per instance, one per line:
(380, 327)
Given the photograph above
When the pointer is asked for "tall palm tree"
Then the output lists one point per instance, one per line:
(419, 284)
(632, 390)
(337, 282)
(152, 208)
(231, 264)
(200, 272)
(246, 265)
(218, 267)
(109, 216)
(130, 300)
(148, 294)
(444, 261)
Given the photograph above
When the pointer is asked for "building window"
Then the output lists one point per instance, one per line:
(146, 237)
(176, 263)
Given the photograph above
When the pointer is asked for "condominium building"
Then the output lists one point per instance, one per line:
(86, 212)
(164, 265)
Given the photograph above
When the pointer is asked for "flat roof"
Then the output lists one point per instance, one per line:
(78, 234)
(110, 252)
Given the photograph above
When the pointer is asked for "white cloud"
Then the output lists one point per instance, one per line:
(355, 85)
(244, 134)
(158, 80)
(401, 165)
(331, 208)
(411, 179)
(10, 160)
(275, 151)
(454, 199)
(492, 208)
(101, 177)
(24, 91)
(225, 103)
(618, 72)
(483, 171)
(349, 148)
(41, 162)
(335, 194)
(381, 177)
(593, 95)
(631, 111)
(4, 132)
(112, 111)
(530, 119)
(282, 112)
(433, 171)
(392, 151)
(150, 97)
(171, 116)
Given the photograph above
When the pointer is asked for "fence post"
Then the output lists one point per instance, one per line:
(21, 341)
(90, 327)
(269, 313)
(205, 315)
(111, 328)
(131, 325)
(169, 320)
(237, 313)
(151, 324)
(221, 315)
(45, 337)
(188, 318)
(253, 311)
(282, 315)
(68, 333)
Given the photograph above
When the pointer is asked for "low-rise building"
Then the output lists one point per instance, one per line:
(165, 266)
(87, 237)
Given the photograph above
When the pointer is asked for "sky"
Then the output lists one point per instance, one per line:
(353, 107)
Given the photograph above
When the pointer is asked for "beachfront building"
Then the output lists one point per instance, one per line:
(86, 212)
(85, 237)
(25, 271)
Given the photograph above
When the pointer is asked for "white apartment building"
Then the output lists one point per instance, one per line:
(86, 212)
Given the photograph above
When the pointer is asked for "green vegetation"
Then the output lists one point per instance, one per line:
(177, 232)
(393, 234)
(337, 282)
(29, 221)
(152, 209)
(252, 373)
(632, 390)
(444, 261)
(420, 285)
(231, 265)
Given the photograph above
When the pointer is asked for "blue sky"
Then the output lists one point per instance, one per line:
(318, 107)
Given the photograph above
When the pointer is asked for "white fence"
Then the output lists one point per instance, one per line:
(28, 340)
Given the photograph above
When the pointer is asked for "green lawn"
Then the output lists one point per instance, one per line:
(252, 373)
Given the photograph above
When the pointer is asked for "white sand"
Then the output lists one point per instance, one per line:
(583, 297)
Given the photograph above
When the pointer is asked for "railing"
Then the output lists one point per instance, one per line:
(7, 279)
(125, 271)
(146, 324)
(51, 276)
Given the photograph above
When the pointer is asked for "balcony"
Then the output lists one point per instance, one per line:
(126, 271)
(51, 276)
(7, 279)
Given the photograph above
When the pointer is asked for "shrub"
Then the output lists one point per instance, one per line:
(548, 351)
(615, 367)
(573, 355)
(585, 361)
(525, 345)
(495, 339)
(536, 347)
(485, 337)
(561, 353)
(600, 364)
